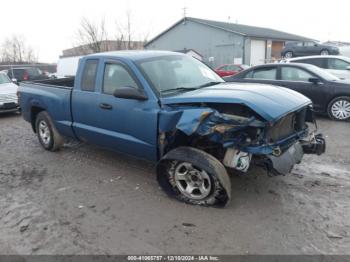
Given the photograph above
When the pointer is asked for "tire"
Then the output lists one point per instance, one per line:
(47, 133)
(339, 108)
(288, 54)
(194, 177)
(324, 52)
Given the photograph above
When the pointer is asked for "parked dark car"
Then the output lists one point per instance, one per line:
(172, 109)
(20, 74)
(328, 93)
(293, 49)
(230, 69)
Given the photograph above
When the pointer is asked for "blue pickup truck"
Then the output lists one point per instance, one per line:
(174, 110)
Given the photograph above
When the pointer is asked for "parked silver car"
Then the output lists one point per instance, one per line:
(8, 95)
(336, 65)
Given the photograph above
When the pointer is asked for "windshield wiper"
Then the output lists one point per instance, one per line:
(178, 89)
(185, 89)
(213, 83)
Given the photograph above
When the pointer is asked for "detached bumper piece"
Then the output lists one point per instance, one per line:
(283, 164)
(316, 146)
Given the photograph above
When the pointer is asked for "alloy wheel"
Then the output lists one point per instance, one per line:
(44, 132)
(192, 182)
(341, 109)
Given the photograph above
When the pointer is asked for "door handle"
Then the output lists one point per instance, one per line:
(106, 106)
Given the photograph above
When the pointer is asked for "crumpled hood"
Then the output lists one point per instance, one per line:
(271, 102)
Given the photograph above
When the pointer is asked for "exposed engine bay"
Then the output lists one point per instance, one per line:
(239, 137)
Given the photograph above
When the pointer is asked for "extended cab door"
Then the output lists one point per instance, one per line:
(125, 125)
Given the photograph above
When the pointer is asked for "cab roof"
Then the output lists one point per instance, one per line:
(135, 54)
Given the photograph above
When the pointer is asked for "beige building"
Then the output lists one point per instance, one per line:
(106, 45)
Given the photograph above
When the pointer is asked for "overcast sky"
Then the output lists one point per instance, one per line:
(50, 26)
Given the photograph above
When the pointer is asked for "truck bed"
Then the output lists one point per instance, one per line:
(51, 95)
(67, 82)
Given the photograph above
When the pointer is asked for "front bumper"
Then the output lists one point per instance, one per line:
(9, 107)
(284, 163)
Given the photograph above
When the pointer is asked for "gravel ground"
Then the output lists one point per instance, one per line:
(86, 200)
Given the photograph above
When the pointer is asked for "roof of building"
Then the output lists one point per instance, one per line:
(244, 30)
(185, 51)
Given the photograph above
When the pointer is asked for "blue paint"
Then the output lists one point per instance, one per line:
(133, 126)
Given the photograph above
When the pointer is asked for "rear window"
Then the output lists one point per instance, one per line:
(89, 75)
(33, 71)
(262, 73)
(312, 61)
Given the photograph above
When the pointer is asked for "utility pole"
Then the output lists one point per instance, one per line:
(184, 11)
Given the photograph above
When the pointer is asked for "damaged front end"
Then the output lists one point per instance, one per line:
(239, 137)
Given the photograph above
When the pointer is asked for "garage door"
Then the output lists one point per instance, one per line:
(257, 52)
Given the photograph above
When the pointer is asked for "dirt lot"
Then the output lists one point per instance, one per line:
(85, 200)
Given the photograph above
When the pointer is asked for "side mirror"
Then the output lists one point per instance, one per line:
(347, 68)
(314, 80)
(129, 92)
(14, 80)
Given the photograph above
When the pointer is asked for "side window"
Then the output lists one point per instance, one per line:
(312, 61)
(294, 74)
(233, 68)
(309, 44)
(116, 76)
(262, 73)
(89, 75)
(337, 64)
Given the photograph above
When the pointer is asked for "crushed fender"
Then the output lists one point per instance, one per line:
(218, 127)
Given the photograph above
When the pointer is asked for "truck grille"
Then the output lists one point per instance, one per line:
(287, 125)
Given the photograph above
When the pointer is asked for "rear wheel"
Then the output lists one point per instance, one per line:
(339, 108)
(47, 134)
(194, 177)
(324, 52)
(288, 54)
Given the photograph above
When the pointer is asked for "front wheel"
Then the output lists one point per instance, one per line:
(324, 52)
(194, 177)
(47, 134)
(339, 108)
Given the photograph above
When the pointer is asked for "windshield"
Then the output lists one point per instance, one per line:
(4, 79)
(177, 73)
(347, 59)
(322, 73)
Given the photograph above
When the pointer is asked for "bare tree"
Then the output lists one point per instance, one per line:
(15, 50)
(92, 36)
(125, 33)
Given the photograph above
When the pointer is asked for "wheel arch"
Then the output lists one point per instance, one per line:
(34, 111)
(338, 95)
